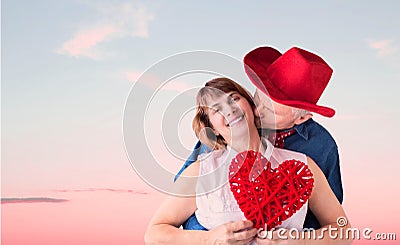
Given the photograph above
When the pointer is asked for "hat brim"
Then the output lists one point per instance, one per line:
(272, 92)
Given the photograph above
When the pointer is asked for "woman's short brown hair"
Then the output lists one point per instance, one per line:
(201, 121)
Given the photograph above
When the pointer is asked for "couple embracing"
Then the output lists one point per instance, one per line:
(238, 134)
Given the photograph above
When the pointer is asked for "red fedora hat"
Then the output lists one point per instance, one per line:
(296, 78)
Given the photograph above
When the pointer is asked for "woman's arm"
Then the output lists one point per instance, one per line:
(325, 206)
(164, 226)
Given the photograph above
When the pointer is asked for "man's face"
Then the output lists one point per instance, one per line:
(272, 114)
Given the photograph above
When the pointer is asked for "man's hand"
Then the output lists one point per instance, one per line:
(239, 232)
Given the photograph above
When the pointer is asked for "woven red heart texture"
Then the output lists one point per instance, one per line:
(265, 195)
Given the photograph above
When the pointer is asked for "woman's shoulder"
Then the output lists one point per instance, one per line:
(202, 161)
(214, 155)
(192, 170)
(213, 160)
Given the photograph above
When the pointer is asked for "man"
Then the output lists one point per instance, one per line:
(289, 86)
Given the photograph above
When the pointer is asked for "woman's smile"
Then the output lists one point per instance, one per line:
(235, 120)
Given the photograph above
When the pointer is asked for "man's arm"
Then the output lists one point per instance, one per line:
(192, 223)
(334, 176)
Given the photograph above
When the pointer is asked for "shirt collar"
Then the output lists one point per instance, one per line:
(302, 129)
(269, 148)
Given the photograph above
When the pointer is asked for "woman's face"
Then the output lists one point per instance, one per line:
(231, 115)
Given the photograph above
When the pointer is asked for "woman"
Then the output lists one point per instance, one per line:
(225, 122)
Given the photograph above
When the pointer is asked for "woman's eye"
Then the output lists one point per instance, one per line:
(233, 99)
(215, 110)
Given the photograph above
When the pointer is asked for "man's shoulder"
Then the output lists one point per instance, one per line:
(317, 132)
(316, 142)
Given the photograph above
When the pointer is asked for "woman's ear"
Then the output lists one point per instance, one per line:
(302, 119)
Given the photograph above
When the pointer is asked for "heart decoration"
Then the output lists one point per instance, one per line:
(265, 195)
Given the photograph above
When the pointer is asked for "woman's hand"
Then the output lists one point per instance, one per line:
(239, 232)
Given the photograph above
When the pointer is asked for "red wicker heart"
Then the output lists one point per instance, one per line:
(269, 196)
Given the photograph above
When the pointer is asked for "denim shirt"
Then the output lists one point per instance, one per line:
(311, 139)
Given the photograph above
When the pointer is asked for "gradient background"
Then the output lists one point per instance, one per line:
(68, 67)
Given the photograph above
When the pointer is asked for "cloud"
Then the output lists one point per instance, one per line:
(31, 200)
(135, 75)
(104, 189)
(385, 47)
(176, 86)
(154, 83)
(114, 22)
(84, 42)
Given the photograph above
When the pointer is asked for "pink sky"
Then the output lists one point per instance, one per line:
(106, 217)
(99, 217)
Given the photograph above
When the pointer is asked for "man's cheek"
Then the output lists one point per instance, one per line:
(270, 116)
(268, 121)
